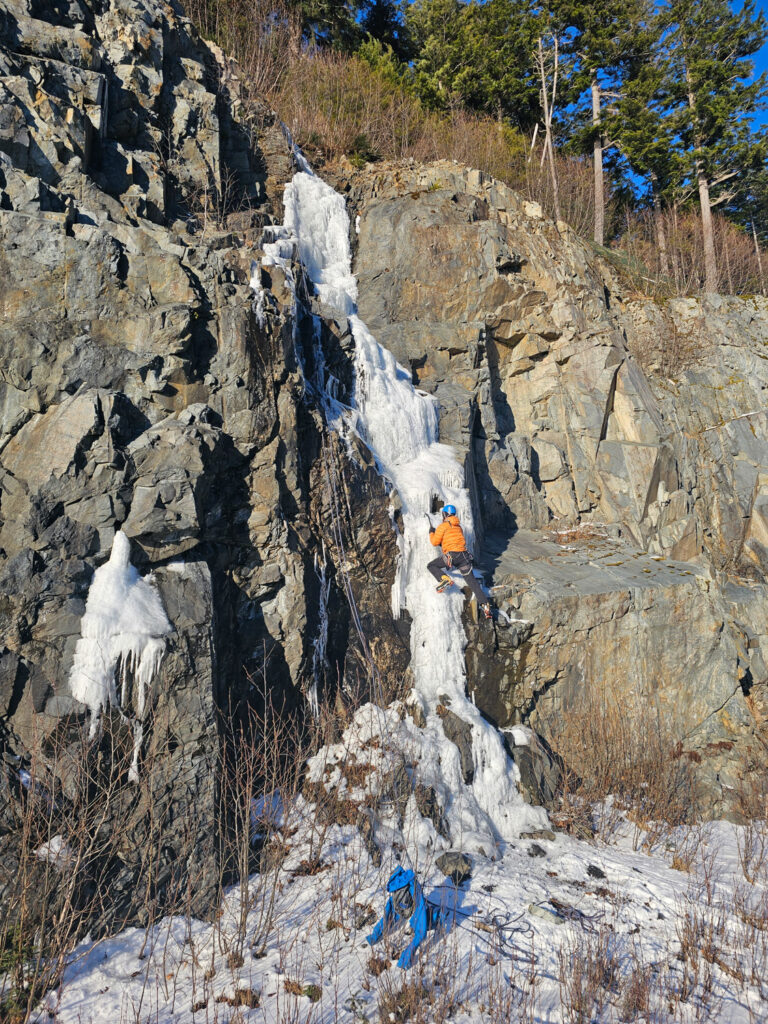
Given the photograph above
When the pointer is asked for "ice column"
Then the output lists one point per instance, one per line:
(122, 636)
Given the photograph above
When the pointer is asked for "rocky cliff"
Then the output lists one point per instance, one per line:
(141, 390)
(615, 450)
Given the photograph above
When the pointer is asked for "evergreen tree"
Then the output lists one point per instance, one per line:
(500, 76)
(644, 130)
(330, 22)
(479, 55)
(437, 30)
(604, 37)
(750, 206)
(383, 21)
(713, 95)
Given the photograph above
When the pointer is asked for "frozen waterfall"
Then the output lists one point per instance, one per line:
(400, 425)
(122, 635)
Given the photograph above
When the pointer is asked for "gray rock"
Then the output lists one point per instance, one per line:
(540, 773)
(10, 673)
(459, 732)
(429, 807)
(455, 865)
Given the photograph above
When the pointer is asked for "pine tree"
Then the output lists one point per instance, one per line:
(643, 130)
(383, 21)
(604, 36)
(750, 206)
(500, 76)
(437, 29)
(329, 22)
(477, 54)
(713, 95)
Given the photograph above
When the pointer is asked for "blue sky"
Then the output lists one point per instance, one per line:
(761, 61)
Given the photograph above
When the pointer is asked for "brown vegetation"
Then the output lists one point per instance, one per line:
(359, 107)
(630, 755)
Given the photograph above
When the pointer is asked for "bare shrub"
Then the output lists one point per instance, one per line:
(262, 35)
(429, 993)
(752, 844)
(69, 855)
(631, 754)
(588, 969)
(679, 268)
(336, 105)
(638, 988)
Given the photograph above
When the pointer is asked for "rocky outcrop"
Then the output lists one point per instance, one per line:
(608, 441)
(140, 389)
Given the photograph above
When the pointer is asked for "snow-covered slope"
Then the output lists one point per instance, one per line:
(555, 931)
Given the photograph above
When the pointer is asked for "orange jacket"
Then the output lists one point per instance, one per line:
(449, 535)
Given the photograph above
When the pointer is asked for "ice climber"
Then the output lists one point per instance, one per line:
(406, 903)
(450, 537)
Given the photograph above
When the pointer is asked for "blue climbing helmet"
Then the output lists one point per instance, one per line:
(448, 510)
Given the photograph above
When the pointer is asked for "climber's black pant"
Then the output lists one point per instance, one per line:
(463, 562)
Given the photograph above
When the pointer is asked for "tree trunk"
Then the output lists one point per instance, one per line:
(759, 258)
(710, 262)
(658, 218)
(676, 249)
(597, 162)
(548, 111)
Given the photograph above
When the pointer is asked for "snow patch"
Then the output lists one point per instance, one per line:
(259, 300)
(55, 852)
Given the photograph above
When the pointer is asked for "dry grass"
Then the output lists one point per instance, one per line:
(588, 969)
(681, 271)
(630, 755)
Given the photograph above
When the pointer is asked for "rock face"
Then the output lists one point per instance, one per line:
(141, 390)
(632, 435)
(616, 451)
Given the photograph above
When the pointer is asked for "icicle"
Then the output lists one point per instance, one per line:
(123, 633)
(321, 640)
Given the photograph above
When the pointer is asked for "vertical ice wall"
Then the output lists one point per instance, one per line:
(122, 635)
(400, 425)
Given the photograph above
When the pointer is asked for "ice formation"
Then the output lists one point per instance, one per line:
(400, 425)
(122, 636)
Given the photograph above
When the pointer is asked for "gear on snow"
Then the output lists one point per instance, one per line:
(406, 902)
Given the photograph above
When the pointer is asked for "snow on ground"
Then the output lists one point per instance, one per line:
(509, 956)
